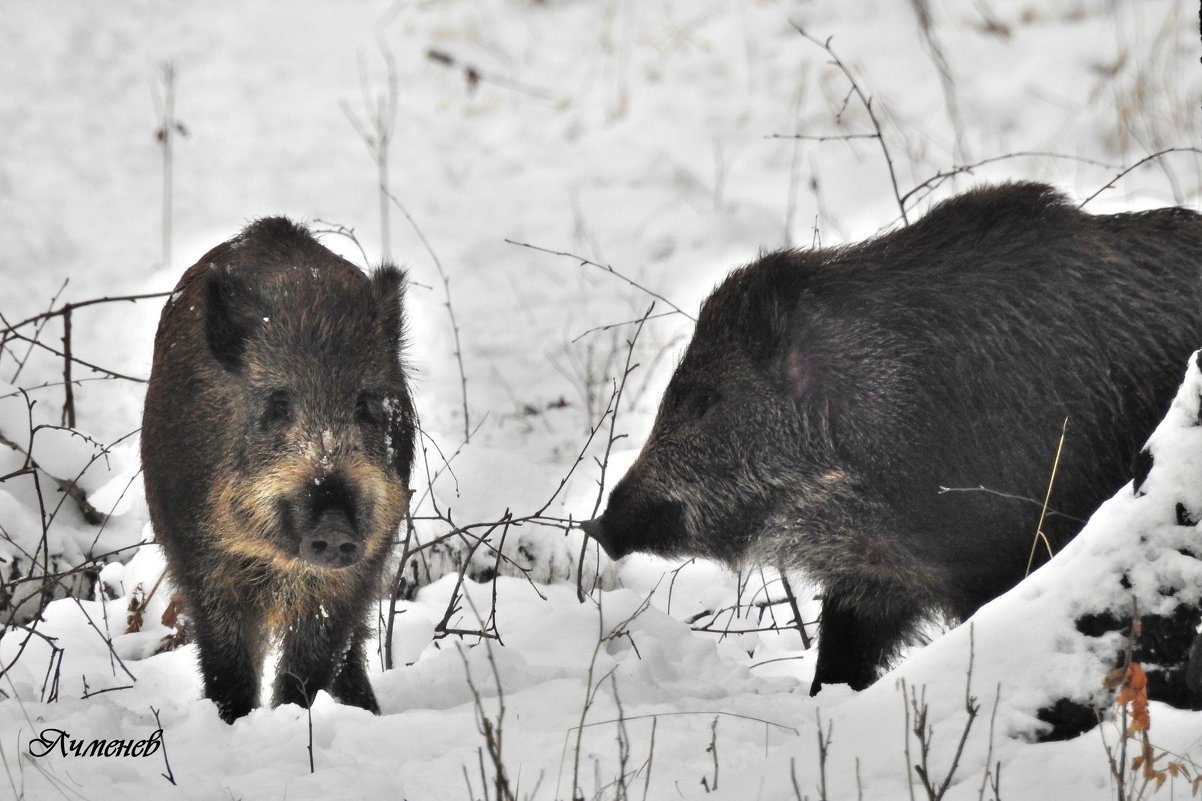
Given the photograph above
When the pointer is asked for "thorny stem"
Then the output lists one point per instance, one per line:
(446, 286)
(67, 308)
(381, 116)
(627, 369)
(474, 76)
(9, 328)
(972, 708)
(1048, 511)
(650, 755)
(824, 742)
(394, 595)
(169, 775)
(493, 732)
(938, 178)
(591, 688)
(1135, 166)
(867, 103)
(612, 409)
(713, 749)
(168, 128)
(611, 326)
(10, 332)
(607, 268)
(989, 749)
(924, 733)
(906, 741)
(926, 27)
(68, 418)
(95, 367)
(69, 488)
(805, 638)
(793, 778)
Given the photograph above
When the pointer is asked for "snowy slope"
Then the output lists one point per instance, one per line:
(633, 134)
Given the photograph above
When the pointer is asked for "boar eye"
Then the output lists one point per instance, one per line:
(370, 409)
(279, 407)
(702, 402)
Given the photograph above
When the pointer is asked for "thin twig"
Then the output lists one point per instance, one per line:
(603, 463)
(824, 743)
(610, 326)
(473, 76)
(1136, 165)
(938, 178)
(68, 417)
(824, 138)
(607, 268)
(801, 629)
(650, 754)
(446, 286)
(169, 128)
(8, 328)
(867, 103)
(169, 775)
(1049, 512)
(97, 368)
(67, 308)
(381, 118)
(926, 26)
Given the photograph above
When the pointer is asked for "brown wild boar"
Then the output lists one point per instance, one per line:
(277, 443)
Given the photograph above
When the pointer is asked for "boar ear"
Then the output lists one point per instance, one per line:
(775, 324)
(233, 313)
(813, 387)
(388, 283)
(800, 370)
(765, 323)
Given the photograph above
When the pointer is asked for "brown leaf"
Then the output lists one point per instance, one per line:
(171, 613)
(1114, 679)
(137, 606)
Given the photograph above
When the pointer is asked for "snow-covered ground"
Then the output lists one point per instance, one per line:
(629, 133)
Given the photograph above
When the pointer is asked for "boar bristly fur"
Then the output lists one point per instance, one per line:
(884, 417)
(277, 444)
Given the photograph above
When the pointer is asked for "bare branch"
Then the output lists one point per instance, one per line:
(867, 103)
(1135, 166)
(607, 268)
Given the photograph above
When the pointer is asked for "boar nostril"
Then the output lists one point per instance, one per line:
(331, 542)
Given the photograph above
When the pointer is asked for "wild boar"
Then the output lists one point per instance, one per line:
(884, 417)
(277, 444)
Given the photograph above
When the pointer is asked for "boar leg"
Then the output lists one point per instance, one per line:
(351, 685)
(309, 656)
(860, 631)
(229, 656)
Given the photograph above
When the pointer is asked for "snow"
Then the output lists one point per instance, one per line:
(631, 134)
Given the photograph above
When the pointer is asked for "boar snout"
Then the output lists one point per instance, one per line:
(634, 520)
(331, 542)
(597, 530)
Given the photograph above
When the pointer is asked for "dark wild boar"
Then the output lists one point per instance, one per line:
(828, 396)
(277, 442)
